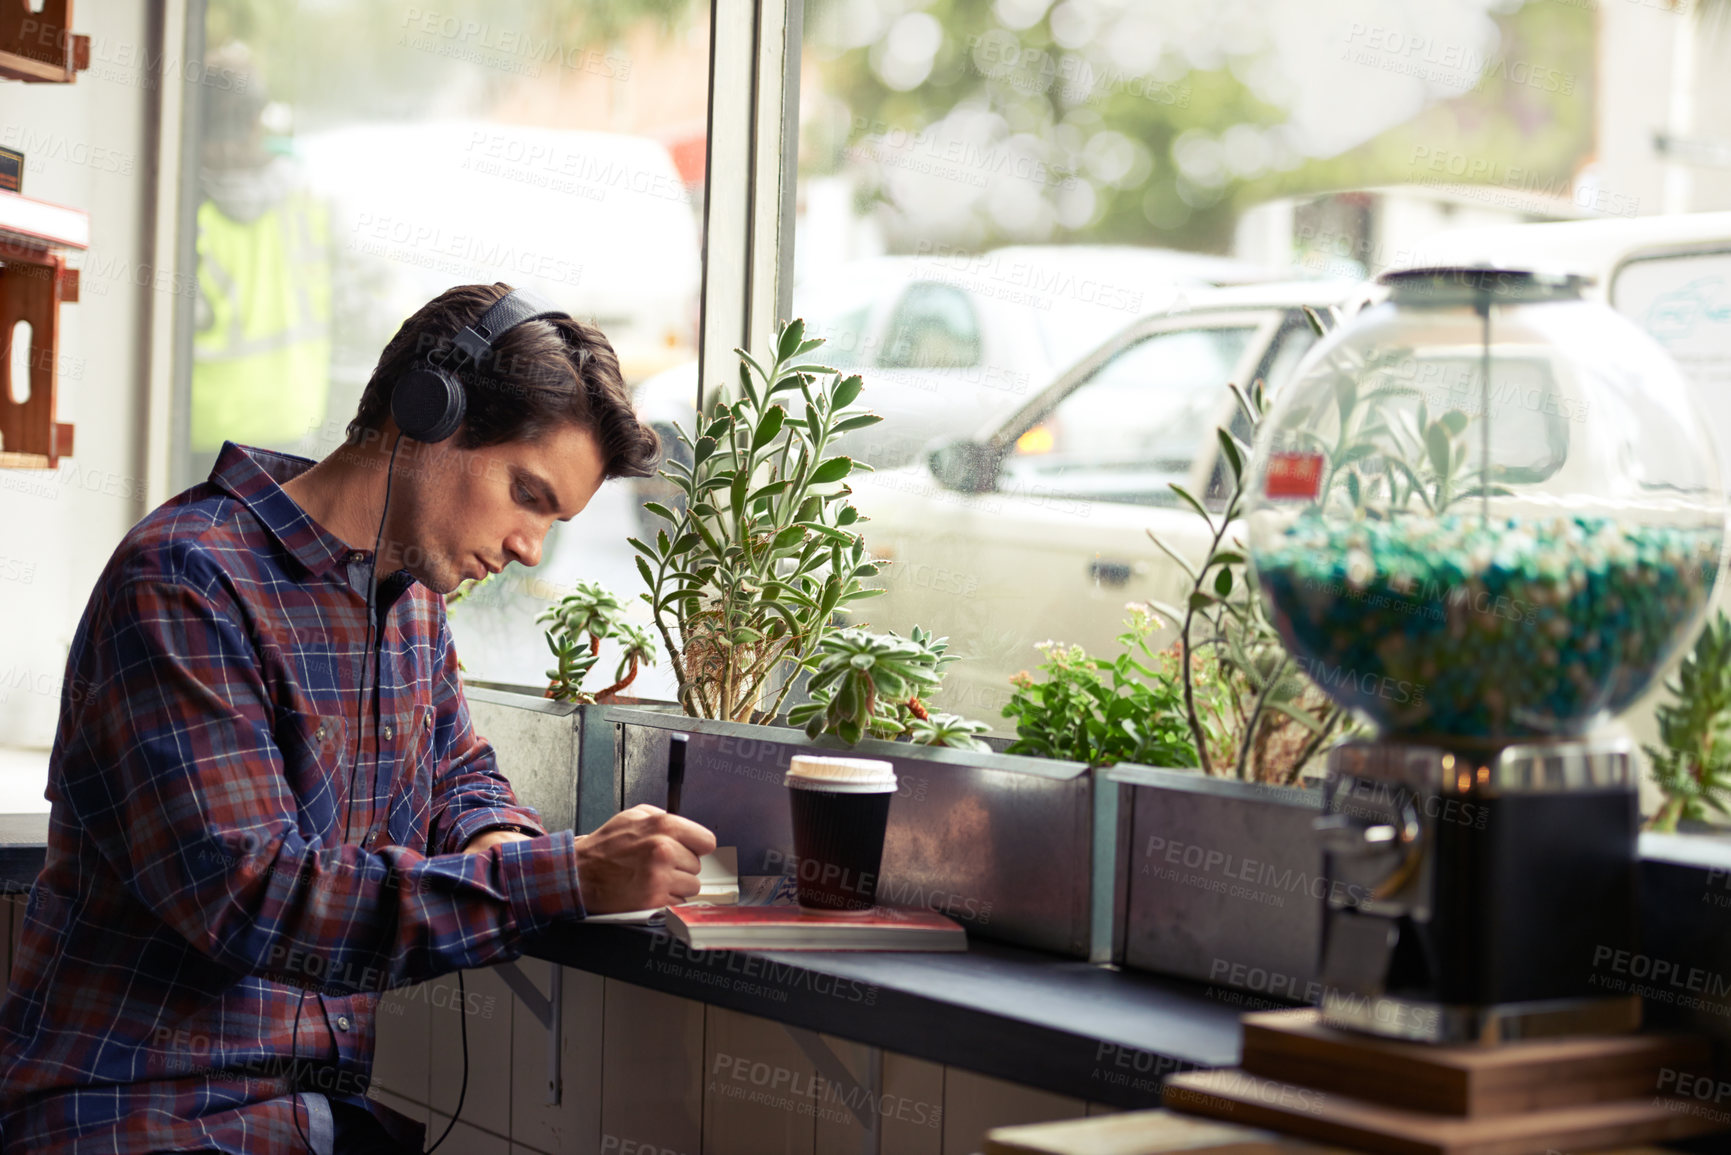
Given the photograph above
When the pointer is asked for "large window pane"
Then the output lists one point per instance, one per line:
(357, 159)
(1180, 180)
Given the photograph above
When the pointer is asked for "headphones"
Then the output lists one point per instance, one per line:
(427, 402)
(428, 405)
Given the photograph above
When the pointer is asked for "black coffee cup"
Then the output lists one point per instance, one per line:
(841, 809)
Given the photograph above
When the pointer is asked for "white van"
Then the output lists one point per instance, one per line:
(1671, 275)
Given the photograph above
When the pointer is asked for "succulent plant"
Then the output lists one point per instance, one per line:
(950, 730)
(868, 683)
(1692, 764)
(582, 620)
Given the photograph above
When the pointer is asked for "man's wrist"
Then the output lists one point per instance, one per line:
(490, 836)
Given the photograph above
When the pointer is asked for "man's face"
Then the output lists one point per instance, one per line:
(471, 511)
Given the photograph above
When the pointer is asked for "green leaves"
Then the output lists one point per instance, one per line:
(582, 620)
(750, 570)
(846, 392)
(832, 470)
(857, 421)
(1130, 709)
(866, 683)
(1692, 765)
(768, 427)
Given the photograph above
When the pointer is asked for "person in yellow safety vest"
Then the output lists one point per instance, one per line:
(261, 348)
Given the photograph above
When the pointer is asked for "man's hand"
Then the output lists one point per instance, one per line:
(640, 859)
(488, 839)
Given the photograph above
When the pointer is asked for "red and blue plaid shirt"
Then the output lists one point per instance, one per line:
(219, 857)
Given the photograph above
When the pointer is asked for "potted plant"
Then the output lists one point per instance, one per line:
(594, 611)
(1129, 709)
(1226, 698)
(745, 577)
(1692, 764)
(872, 684)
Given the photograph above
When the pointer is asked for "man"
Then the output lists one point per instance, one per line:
(264, 813)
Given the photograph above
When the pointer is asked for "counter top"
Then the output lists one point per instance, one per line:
(23, 844)
(1066, 1026)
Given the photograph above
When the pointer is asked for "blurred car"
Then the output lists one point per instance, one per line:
(1035, 527)
(599, 223)
(946, 340)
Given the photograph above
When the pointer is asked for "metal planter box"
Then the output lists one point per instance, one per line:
(1017, 849)
(1221, 881)
(535, 740)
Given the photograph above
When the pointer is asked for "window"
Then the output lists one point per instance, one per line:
(1135, 426)
(355, 160)
(934, 327)
(1294, 341)
(1530, 416)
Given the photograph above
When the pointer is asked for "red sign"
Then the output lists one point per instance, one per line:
(1294, 475)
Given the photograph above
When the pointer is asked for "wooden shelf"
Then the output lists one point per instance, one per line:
(32, 224)
(34, 281)
(40, 47)
(35, 237)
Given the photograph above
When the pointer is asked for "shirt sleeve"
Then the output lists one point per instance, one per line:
(170, 765)
(470, 794)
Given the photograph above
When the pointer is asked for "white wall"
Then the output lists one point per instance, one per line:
(88, 145)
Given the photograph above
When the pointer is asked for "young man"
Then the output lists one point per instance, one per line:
(264, 812)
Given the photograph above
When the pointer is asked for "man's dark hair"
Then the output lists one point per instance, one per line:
(540, 374)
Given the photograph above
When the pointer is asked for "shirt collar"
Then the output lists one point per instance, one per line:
(255, 478)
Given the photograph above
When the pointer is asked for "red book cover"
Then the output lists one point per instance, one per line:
(795, 928)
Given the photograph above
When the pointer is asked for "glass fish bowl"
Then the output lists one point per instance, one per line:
(1485, 510)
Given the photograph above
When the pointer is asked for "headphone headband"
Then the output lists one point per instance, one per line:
(473, 343)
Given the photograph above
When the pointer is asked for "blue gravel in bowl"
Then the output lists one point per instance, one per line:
(1486, 632)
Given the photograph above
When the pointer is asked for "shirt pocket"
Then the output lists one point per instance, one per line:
(316, 760)
(412, 762)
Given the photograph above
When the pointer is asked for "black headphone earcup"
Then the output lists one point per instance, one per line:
(427, 404)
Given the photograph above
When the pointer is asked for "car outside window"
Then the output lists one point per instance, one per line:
(1294, 342)
(845, 336)
(1528, 412)
(1136, 425)
(934, 327)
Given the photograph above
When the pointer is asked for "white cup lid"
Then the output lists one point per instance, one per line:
(852, 775)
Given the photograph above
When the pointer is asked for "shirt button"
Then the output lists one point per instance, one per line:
(342, 1022)
(356, 556)
(390, 732)
(371, 840)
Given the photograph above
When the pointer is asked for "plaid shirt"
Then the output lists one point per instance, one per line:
(201, 882)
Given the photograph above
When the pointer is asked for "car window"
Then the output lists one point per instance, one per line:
(845, 336)
(1290, 347)
(1530, 416)
(1136, 425)
(934, 327)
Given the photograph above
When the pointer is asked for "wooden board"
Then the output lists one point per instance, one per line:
(1144, 1133)
(1475, 1081)
(1237, 1096)
(1159, 1132)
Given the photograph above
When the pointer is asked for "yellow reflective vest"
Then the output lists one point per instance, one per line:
(261, 351)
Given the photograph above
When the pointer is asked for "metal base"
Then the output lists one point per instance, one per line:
(1426, 1022)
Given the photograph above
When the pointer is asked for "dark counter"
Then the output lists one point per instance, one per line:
(1060, 1024)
